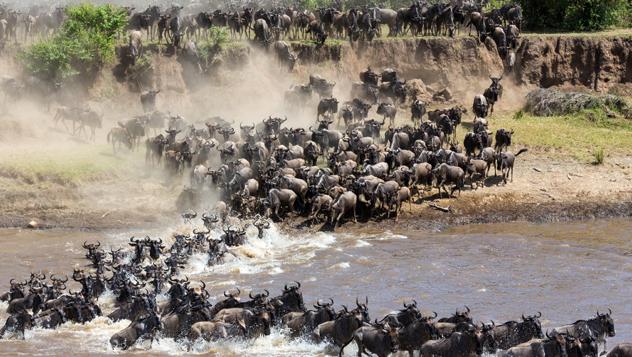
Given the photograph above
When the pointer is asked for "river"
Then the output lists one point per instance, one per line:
(567, 271)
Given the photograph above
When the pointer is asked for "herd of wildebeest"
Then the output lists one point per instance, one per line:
(148, 290)
(185, 26)
(343, 166)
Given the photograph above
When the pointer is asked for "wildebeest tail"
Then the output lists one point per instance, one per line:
(521, 151)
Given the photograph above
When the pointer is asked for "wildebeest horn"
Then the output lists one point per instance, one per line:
(539, 314)
(493, 323)
(467, 308)
(298, 284)
(250, 295)
(523, 317)
(435, 314)
(267, 293)
(226, 293)
(609, 311)
(203, 285)
(98, 244)
(345, 308)
(85, 244)
(547, 334)
(332, 301)
(12, 281)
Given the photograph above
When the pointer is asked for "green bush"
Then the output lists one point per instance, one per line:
(216, 42)
(85, 42)
(575, 15)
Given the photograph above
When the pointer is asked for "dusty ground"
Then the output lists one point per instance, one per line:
(544, 189)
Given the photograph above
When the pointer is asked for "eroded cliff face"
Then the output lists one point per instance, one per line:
(463, 65)
(437, 61)
(594, 62)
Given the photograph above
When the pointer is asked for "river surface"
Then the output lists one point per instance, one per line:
(567, 271)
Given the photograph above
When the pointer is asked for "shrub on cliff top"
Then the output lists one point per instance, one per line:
(84, 43)
(575, 15)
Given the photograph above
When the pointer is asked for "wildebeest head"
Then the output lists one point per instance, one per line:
(155, 247)
(362, 310)
(178, 288)
(292, 297)
(325, 310)
(607, 323)
(488, 341)
(532, 324)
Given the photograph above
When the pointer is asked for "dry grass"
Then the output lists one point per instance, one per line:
(63, 165)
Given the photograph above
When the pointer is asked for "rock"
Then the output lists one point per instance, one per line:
(33, 224)
(443, 96)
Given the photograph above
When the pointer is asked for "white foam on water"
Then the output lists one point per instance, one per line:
(265, 255)
(275, 344)
(387, 235)
(360, 244)
(341, 265)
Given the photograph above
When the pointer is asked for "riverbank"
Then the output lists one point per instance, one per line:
(544, 189)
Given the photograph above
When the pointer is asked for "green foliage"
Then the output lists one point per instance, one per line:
(519, 115)
(216, 42)
(85, 42)
(598, 156)
(575, 15)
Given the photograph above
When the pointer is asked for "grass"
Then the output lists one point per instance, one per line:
(585, 136)
(64, 166)
(599, 156)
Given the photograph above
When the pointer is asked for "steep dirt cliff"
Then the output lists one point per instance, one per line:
(592, 61)
(597, 63)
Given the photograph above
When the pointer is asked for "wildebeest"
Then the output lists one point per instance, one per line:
(119, 136)
(145, 327)
(377, 339)
(446, 174)
(513, 333)
(598, 327)
(505, 163)
(494, 92)
(418, 110)
(327, 106)
(621, 350)
(480, 106)
(148, 100)
(503, 139)
(459, 344)
(388, 111)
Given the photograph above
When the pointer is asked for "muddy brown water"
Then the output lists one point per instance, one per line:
(567, 271)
